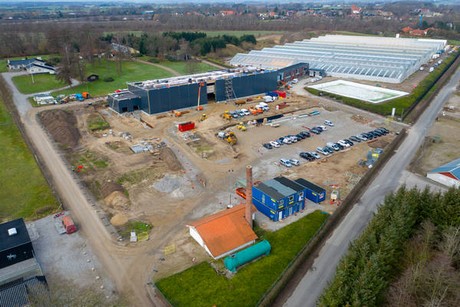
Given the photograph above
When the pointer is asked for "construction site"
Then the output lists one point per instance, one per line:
(169, 169)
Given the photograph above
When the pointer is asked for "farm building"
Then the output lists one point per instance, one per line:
(157, 96)
(33, 66)
(223, 233)
(447, 174)
(278, 198)
(383, 59)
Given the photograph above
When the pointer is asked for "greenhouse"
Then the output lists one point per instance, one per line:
(383, 59)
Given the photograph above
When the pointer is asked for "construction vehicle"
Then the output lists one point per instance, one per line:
(229, 136)
(241, 126)
(255, 111)
(203, 117)
(226, 115)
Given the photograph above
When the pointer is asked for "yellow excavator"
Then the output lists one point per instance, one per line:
(226, 115)
(241, 126)
(231, 138)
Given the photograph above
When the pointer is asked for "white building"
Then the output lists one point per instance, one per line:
(447, 174)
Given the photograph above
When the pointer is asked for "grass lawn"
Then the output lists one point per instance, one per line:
(42, 83)
(24, 192)
(202, 286)
(131, 71)
(185, 68)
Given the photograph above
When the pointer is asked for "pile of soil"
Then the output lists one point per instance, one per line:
(109, 187)
(169, 157)
(62, 126)
(117, 200)
(119, 219)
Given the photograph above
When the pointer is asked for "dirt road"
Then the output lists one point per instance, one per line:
(122, 264)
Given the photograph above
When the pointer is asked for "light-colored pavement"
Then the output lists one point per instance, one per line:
(390, 177)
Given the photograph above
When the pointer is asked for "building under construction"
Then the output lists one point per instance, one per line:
(162, 95)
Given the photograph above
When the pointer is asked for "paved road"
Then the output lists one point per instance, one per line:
(391, 176)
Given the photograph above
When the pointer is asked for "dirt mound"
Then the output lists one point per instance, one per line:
(119, 219)
(169, 157)
(378, 144)
(109, 187)
(62, 126)
(117, 200)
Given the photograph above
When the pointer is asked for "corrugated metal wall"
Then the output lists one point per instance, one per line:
(248, 85)
(174, 98)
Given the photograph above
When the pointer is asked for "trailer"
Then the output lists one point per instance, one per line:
(313, 192)
(69, 225)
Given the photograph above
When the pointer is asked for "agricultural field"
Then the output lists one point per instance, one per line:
(201, 285)
(240, 33)
(25, 192)
(27, 84)
(131, 71)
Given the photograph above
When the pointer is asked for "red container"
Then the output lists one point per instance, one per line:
(69, 224)
(186, 126)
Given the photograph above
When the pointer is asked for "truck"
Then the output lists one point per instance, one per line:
(68, 224)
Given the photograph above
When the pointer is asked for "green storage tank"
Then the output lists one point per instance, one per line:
(247, 255)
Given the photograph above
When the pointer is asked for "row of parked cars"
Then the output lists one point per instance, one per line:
(245, 112)
(290, 139)
(331, 147)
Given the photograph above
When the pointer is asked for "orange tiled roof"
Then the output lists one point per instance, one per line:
(225, 230)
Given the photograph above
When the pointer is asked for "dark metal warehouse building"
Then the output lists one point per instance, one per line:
(157, 96)
(15, 244)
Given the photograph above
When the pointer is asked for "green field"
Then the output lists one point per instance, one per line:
(186, 68)
(41, 83)
(131, 71)
(202, 286)
(240, 33)
(24, 192)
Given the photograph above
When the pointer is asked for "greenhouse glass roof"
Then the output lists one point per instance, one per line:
(384, 59)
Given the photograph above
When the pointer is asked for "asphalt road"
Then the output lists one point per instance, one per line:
(389, 179)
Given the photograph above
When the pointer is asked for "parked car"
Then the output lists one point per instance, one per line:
(355, 139)
(300, 136)
(307, 156)
(329, 123)
(245, 112)
(339, 146)
(315, 155)
(368, 135)
(384, 129)
(315, 130)
(305, 133)
(333, 146)
(285, 162)
(330, 150)
(294, 162)
(362, 137)
(275, 144)
(268, 146)
(321, 150)
(348, 142)
(322, 127)
(343, 143)
(280, 141)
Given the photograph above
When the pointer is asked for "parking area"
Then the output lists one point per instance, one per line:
(67, 258)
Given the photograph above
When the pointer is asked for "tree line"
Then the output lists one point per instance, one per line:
(374, 259)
